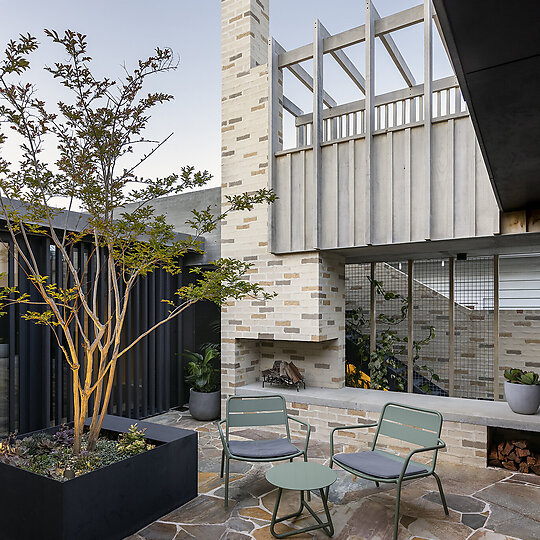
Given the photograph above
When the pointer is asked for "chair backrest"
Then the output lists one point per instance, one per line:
(250, 411)
(410, 424)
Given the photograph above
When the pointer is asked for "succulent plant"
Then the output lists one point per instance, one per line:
(518, 376)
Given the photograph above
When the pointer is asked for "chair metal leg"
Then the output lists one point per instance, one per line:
(377, 484)
(441, 492)
(396, 516)
(226, 481)
(222, 462)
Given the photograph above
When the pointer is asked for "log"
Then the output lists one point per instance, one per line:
(523, 467)
(511, 466)
(531, 460)
(520, 444)
(522, 452)
(508, 447)
(494, 463)
(536, 469)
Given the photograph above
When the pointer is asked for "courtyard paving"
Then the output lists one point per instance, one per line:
(485, 504)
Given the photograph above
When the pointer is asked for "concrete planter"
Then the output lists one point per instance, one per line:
(522, 398)
(205, 405)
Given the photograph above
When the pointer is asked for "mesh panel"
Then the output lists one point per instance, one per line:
(474, 331)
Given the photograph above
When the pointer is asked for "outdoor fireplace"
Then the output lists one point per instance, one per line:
(514, 450)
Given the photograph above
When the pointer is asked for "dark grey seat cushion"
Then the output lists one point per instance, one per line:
(268, 448)
(377, 464)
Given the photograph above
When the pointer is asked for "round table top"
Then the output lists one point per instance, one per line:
(301, 475)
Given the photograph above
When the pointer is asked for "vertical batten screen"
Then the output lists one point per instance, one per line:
(35, 380)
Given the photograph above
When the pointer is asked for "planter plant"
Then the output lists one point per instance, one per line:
(522, 390)
(203, 377)
(84, 153)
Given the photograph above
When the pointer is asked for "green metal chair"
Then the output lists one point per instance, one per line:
(420, 427)
(250, 411)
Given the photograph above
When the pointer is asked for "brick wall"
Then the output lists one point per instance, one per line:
(308, 311)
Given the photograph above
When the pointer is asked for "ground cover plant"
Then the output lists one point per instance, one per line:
(53, 455)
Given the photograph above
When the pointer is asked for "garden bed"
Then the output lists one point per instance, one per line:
(109, 503)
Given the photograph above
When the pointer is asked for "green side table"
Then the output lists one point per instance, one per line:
(302, 476)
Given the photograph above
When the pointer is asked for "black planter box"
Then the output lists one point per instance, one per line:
(107, 504)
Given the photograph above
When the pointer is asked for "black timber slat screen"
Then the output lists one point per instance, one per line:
(36, 383)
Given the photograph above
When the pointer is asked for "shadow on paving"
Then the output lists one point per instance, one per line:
(485, 504)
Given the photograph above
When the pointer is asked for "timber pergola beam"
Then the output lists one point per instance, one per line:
(390, 45)
(383, 26)
(305, 78)
(346, 64)
(291, 107)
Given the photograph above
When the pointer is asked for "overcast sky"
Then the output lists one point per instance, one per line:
(122, 31)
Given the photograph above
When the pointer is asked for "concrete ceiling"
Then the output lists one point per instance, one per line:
(495, 49)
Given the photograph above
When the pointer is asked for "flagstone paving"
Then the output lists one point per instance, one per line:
(485, 504)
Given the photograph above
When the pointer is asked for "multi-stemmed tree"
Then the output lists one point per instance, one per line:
(93, 135)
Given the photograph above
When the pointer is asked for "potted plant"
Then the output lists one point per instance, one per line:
(522, 390)
(202, 376)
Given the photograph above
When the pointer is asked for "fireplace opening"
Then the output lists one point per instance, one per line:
(514, 450)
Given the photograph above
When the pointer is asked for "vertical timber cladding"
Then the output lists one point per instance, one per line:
(35, 380)
(306, 318)
(463, 362)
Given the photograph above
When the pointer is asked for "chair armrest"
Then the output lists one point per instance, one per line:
(356, 426)
(308, 430)
(440, 444)
(222, 435)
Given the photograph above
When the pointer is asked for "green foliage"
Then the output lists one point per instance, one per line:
(98, 132)
(201, 373)
(518, 376)
(133, 442)
(53, 455)
(388, 344)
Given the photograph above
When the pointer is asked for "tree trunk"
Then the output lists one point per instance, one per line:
(93, 437)
(77, 427)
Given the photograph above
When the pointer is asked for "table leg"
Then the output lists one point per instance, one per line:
(327, 527)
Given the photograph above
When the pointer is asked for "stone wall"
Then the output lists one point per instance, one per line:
(309, 306)
(519, 340)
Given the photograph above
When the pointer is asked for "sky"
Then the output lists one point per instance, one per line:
(123, 31)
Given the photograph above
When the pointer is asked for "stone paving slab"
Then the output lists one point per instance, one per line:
(485, 504)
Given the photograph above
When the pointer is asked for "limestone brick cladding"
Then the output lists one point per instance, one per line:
(305, 321)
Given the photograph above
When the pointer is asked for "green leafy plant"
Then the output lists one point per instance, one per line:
(384, 368)
(518, 376)
(201, 373)
(98, 133)
(133, 442)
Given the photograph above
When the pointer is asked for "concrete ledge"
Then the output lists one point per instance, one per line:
(467, 411)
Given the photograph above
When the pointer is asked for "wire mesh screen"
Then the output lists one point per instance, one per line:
(391, 310)
(474, 328)
(431, 309)
(473, 309)
(357, 304)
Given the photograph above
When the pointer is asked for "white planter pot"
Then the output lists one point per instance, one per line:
(522, 398)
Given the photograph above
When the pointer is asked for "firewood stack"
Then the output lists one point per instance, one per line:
(514, 456)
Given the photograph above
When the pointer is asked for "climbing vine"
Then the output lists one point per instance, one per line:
(386, 371)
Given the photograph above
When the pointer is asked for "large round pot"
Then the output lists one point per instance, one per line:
(522, 398)
(205, 405)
